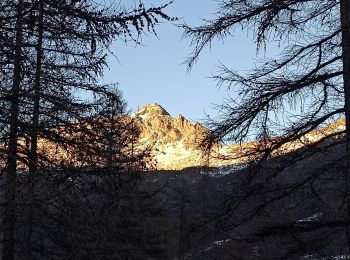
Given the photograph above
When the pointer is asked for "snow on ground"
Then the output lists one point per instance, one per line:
(217, 244)
(174, 154)
(143, 117)
(311, 218)
(140, 115)
(317, 257)
(223, 170)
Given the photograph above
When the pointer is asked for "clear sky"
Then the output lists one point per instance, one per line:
(155, 73)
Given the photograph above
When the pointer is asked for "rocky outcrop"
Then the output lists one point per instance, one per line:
(175, 143)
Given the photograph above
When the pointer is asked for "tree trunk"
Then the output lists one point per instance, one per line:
(36, 96)
(345, 27)
(9, 218)
(33, 157)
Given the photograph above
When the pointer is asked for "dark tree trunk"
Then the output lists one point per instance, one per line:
(33, 157)
(9, 218)
(36, 96)
(345, 26)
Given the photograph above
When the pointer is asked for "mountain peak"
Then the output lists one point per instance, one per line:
(150, 110)
(155, 106)
(174, 142)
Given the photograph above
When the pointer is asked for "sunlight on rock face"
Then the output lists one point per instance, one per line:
(176, 143)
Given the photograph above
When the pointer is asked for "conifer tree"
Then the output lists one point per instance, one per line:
(301, 90)
(59, 52)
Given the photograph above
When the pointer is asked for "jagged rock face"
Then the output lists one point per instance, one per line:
(175, 143)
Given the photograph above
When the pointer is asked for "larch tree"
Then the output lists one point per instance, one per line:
(9, 215)
(54, 52)
(285, 98)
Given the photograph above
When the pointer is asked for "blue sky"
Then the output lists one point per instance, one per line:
(155, 73)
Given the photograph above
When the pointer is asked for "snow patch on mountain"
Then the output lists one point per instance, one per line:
(177, 143)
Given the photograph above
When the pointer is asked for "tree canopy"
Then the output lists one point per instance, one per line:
(291, 94)
(282, 100)
(52, 52)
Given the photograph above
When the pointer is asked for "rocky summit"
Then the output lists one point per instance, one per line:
(174, 143)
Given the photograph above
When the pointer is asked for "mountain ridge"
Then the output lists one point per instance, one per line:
(162, 141)
(176, 143)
